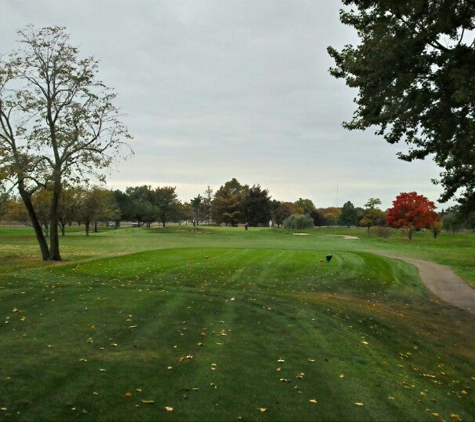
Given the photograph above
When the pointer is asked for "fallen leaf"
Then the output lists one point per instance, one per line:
(455, 417)
(313, 401)
(342, 376)
(435, 415)
(150, 402)
(128, 394)
(169, 409)
(262, 409)
(359, 404)
(365, 342)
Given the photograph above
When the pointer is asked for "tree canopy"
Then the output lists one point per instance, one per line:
(57, 123)
(411, 211)
(413, 70)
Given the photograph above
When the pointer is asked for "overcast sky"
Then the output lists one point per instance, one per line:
(218, 89)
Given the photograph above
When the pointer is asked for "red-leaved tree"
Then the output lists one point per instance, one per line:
(411, 212)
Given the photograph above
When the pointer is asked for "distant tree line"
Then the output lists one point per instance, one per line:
(232, 204)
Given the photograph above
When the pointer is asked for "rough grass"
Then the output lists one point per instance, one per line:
(223, 324)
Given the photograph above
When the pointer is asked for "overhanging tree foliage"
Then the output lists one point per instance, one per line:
(414, 71)
(57, 123)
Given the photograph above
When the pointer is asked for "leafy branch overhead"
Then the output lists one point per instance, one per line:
(58, 122)
(413, 70)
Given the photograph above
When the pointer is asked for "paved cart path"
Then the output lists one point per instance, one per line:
(441, 280)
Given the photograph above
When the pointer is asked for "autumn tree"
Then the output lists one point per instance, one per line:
(282, 210)
(58, 122)
(411, 211)
(97, 204)
(68, 206)
(15, 211)
(331, 215)
(372, 215)
(305, 205)
(413, 70)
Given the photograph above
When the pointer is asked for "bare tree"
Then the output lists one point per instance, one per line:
(57, 123)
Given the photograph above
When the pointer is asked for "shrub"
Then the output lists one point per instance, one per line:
(298, 222)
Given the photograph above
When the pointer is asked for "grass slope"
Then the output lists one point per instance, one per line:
(221, 324)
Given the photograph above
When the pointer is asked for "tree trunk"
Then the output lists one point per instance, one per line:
(87, 225)
(54, 254)
(40, 237)
(62, 226)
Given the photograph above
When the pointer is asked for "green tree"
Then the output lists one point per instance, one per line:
(207, 200)
(197, 206)
(57, 123)
(348, 216)
(226, 206)
(413, 70)
(256, 205)
(451, 222)
(166, 203)
(138, 207)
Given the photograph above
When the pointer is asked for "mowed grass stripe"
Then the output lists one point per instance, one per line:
(226, 336)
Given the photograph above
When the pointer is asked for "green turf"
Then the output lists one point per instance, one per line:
(220, 324)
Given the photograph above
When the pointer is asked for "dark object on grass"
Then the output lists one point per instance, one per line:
(329, 258)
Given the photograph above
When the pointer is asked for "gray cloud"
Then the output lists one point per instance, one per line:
(213, 90)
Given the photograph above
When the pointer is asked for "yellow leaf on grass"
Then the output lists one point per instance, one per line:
(435, 415)
(359, 404)
(455, 417)
(169, 409)
(149, 402)
(262, 409)
(342, 376)
(313, 401)
(365, 342)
